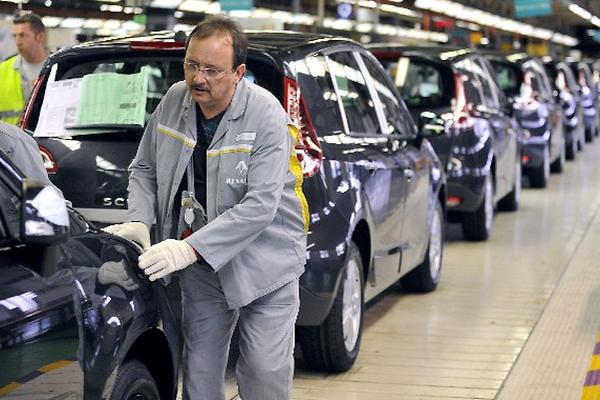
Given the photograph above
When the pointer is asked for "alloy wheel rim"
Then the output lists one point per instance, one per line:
(546, 163)
(518, 184)
(435, 246)
(352, 305)
(489, 203)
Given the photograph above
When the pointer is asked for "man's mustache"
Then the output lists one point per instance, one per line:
(200, 87)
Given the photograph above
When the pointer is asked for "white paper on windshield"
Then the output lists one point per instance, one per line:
(59, 108)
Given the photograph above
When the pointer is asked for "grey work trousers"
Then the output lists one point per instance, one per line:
(265, 366)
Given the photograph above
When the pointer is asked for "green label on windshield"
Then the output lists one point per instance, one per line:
(112, 99)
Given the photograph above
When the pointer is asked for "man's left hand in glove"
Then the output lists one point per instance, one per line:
(166, 257)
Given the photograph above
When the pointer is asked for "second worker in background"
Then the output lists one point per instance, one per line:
(19, 73)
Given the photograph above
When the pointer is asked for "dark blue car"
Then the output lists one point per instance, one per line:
(527, 86)
(480, 147)
(77, 318)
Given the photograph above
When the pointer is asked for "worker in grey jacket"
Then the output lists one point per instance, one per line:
(222, 144)
(23, 150)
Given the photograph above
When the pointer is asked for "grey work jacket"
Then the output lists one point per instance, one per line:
(23, 150)
(255, 238)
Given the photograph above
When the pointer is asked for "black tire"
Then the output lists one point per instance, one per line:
(510, 202)
(134, 382)
(589, 135)
(324, 347)
(477, 226)
(571, 150)
(425, 277)
(558, 165)
(538, 177)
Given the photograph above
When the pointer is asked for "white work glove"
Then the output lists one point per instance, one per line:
(135, 231)
(166, 257)
(113, 272)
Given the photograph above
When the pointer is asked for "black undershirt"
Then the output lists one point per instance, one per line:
(205, 131)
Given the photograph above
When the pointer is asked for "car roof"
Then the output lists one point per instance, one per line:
(443, 53)
(281, 44)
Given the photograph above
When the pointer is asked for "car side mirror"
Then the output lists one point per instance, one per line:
(44, 215)
(430, 124)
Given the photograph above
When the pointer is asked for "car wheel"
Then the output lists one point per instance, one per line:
(589, 135)
(538, 177)
(425, 277)
(510, 202)
(558, 165)
(134, 382)
(478, 225)
(333, 346)
(571, 150)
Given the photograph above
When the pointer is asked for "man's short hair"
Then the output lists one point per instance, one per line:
(34, 20)
(222, 24)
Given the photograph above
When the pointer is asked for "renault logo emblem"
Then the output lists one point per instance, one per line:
(241, 168)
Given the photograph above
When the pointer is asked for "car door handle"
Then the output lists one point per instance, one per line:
(409, 174)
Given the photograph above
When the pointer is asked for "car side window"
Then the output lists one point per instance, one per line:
(353, 93)
(319, 94)
(488, 86)
(397, 117)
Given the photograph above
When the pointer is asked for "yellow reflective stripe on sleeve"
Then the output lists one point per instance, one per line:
(296, 170)
(242, 148)
(176, 135)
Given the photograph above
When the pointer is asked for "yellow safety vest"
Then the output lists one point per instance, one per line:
(12, 102)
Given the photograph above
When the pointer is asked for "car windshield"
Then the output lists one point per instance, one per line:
(420, 84)
(104, 95)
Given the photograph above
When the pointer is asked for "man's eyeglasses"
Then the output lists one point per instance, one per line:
(208, 72)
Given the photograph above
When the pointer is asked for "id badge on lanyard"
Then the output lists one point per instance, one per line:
(194, 216)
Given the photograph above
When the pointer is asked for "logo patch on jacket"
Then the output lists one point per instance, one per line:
(245, 136)
(241, 168)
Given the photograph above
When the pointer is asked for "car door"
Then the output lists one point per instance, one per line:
(505, 135)
(413, 163)
(38, 328)
(380, 175)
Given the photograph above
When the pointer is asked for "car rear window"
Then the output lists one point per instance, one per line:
(107, 96)
(319, 93)
(100, 96)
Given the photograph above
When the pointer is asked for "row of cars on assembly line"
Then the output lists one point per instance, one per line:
(394, 142)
